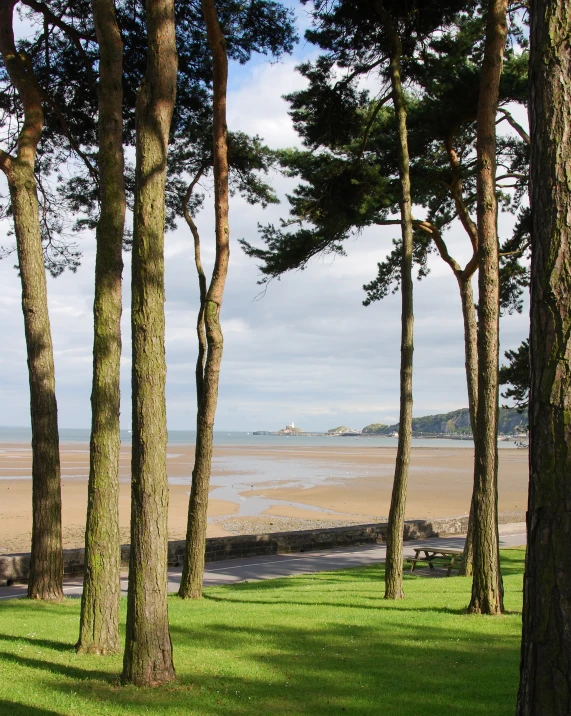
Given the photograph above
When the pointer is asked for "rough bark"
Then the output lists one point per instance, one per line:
(99, 623)
(46, 568)
(207, 384)
(545, 675)
(395, 528)
(487, 589)
(148, 648)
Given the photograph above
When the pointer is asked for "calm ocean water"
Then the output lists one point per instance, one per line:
(238, 474)
(247, 439)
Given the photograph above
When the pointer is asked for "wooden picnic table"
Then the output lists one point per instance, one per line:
(451, 557)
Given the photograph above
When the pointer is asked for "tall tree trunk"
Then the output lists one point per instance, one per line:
(46, 569)
(148, 647)
(395, 529)
(207, 395)
(471, 362)
(545, 675)
(487, 588)
(99, 623)
(464, 278)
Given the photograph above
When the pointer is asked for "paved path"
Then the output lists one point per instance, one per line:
(283, 565)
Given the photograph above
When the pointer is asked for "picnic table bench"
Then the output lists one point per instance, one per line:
(449, 558)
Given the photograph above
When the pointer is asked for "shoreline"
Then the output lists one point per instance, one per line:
(257, 488)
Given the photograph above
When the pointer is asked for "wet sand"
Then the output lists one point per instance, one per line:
(255, 489)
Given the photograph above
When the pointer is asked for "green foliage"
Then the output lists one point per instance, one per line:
(376, 429)
(516, 374)
(312, 645)
(456, 422)
(349, 172)
(64, 57)
(514, 276)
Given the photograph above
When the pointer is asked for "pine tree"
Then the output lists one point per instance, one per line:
(46, 569)
(487, 588)
(148, 647)
(99, 623)
(348, 189)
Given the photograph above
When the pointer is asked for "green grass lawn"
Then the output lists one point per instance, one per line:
(322, 644)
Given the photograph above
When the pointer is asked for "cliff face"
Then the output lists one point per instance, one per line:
(456, 422)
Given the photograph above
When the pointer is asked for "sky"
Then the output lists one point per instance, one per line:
(305, 350)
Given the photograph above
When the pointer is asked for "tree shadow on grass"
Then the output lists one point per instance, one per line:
(78, 672)
(319, 659)
(23, 604)
(15, 709)
(512, 561)
(390, 604)
(46, 643)
(339, 667)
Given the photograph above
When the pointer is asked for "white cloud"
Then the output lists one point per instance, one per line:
(306, 351)
(258, 106)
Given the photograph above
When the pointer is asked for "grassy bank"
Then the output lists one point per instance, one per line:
(322, 644)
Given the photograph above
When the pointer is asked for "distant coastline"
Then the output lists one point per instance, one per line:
(455, 425)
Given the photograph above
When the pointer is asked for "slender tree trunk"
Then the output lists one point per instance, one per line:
(545, 675)
(202, 290)
(470, 347)
(395, 529)
(148, 647)
(464, 278)
(99, 623)
(487, 588)
(471, 362)
(46, 569)
(207, 396)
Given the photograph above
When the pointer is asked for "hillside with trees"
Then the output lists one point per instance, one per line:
(456, 422)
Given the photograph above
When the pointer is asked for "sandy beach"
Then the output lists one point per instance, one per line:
(256, 489)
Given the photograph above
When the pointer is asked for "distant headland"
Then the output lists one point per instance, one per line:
(455, 424)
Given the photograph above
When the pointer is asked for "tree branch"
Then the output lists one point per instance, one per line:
(72, 142)
(429, 228)
(374, 114)
(6, 160)
(24, 82)
(201, 285)
(70, 31)
(456, 191)
(360, 71)
(55, 20)
(518, 128)
(523, 177)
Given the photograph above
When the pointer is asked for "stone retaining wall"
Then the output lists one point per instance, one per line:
(16, 567)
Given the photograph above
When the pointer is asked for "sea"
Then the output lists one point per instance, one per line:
(248, 439)
(239, 475)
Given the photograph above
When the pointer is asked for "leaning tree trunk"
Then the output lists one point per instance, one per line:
(395, 528)
(99, 623)
(487, 588)
(207, 388)
(545, 674)
(46, 568)
(148, 648)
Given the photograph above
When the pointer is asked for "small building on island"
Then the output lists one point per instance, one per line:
(290, 430)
